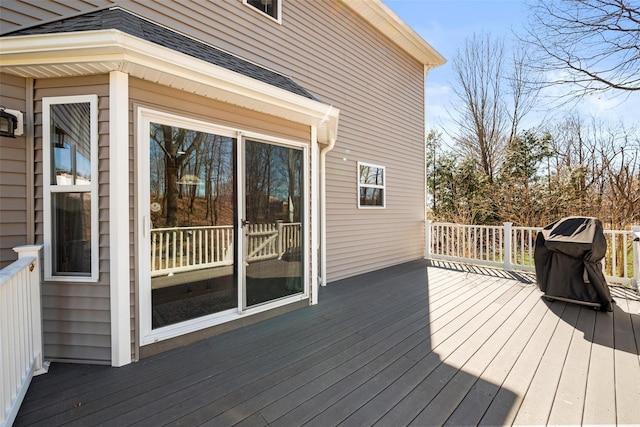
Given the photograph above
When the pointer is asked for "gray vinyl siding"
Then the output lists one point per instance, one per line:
(161, 98)
(13, 175)
(76, 316)
(16, 14)
(342, 60)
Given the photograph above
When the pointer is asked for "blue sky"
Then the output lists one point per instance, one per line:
(445, 24)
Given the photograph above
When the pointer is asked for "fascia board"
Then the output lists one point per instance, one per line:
(65, 54)
(385, 20)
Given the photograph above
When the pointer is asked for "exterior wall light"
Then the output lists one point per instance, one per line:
(10, 123)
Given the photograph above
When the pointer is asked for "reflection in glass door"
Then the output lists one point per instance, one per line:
(193, 210)
(273, 224)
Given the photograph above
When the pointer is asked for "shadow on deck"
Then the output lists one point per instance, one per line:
(405, 345)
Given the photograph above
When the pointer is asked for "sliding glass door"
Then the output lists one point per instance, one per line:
(222, 221)
(192, 203)
(274, 222)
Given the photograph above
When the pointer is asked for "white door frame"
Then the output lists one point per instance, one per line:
(145, 116)
(306, 229)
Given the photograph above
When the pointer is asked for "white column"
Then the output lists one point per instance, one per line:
(119, 218)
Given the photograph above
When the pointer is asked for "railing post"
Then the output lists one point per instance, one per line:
(279, 240)
(635, 281)
(36, 304)
(427, 238)
(507, 246)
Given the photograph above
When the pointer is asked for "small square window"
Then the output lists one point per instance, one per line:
(272, 8)
(371, 186)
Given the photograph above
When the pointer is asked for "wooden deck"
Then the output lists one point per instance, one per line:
(446, 344)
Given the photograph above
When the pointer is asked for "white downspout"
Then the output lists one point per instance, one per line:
(323, 209)
(332, 134)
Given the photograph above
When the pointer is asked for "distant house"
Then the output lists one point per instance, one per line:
(193, 166)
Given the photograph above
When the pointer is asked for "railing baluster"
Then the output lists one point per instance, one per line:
(625, 255)
(178, 247)
(167, 252)
(614, 254)
(522, 250)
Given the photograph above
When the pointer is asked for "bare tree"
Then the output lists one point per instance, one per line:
(593, 45)
(494, 97)
(177, 145)
(620, 154)
(481, 118)
(523, 85)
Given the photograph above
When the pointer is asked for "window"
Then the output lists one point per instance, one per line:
(70, 139)
(272, 8)
(371, 186)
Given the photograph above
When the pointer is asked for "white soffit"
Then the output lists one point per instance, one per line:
(385, 20)
(102, 51)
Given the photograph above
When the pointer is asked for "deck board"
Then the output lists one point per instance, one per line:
(460, 388)
(505, 405)
(443, 327)
(452, 353)
(627, 376)
(480, 396)
(600, 398)
(537, 403)
(308, 409)
(470, 359)
(448, 344)
(569, 401)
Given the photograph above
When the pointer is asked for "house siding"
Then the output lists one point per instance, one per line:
(345, 62)
(379, 90)
(18, 14)
(76, 316)
(162, 98)
(14, 192)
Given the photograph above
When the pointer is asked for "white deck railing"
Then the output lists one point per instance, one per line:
(20, 330)
(512, 248)
(271, 241)
(180, 249)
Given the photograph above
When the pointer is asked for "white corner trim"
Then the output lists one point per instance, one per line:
(119, 218)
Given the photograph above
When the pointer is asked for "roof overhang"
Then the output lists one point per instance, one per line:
(103, 51)
(384, 19)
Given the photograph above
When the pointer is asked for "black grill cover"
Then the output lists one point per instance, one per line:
(568, 257)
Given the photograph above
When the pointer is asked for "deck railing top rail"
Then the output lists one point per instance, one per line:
(512, 248)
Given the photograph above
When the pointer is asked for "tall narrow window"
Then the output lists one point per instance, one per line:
(70, 149)
(371, 186)
(270, 8)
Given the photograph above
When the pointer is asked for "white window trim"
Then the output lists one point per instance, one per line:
(383, 186)
(92, 189)
(278, 19)
(148, 335)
